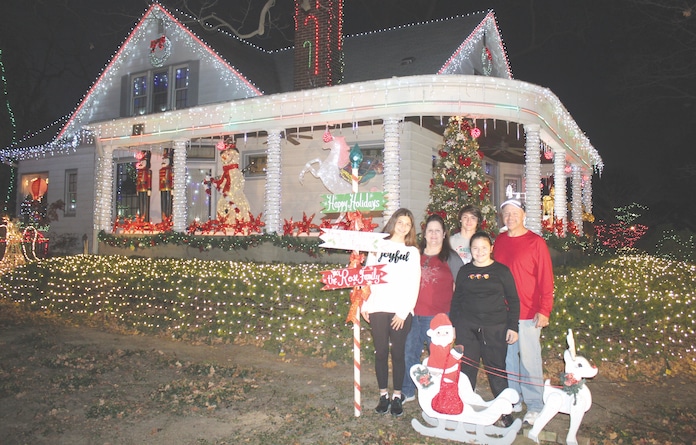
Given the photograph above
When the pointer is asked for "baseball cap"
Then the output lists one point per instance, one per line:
(515, 202)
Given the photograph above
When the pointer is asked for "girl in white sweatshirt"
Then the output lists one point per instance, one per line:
(389, 308)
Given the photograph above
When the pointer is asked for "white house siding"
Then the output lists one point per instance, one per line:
(68, 226)
(417, 146)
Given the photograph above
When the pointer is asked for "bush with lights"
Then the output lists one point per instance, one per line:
(627, 312)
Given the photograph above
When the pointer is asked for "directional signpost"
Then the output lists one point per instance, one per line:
(355, 276)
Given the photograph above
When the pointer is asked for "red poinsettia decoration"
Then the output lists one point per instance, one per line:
(573, 228)
(288, 227)
(306, 225)
(255, 224)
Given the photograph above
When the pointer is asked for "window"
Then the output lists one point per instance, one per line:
(181, 85)
(139, 95)
(70, 192)
(153, 91)
(198, 201)
(126, 196)
(160, 91)
(255, 164)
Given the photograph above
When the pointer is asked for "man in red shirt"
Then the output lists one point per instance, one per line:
(526, 255)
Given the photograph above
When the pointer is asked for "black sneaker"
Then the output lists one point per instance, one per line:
(383, 405)
(506, 420)
(396, 406)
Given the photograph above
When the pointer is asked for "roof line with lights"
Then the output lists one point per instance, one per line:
(151, 10)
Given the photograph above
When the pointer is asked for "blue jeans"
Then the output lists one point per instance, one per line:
(523, 363)
(417, 337)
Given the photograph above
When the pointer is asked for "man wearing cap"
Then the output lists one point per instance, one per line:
(526, 255)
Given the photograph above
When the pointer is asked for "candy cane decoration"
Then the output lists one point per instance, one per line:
(356, 158)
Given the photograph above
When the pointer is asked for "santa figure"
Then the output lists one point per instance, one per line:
(143, 183)
(444, 363)
(166, 183)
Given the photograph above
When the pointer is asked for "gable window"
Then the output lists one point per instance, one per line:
(154, 91)
(70, 192)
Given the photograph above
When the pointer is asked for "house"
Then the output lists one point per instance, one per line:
(174, 92)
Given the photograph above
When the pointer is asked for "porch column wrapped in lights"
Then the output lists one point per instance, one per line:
(105, 179)
(560, 206)
(587, 193)
(392, 175)
(179, 215)
(532, 174)
(273, 188)
(576, 205)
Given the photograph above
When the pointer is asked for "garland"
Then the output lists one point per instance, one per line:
(308, 245)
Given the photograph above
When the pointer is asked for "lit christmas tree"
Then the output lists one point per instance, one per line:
(458, 177)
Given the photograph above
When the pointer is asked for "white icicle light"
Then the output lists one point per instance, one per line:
(587, 194)
(560, 207)
(532, 173)
(392, 128)
(273, 188)
(576, 205)
(105, 179)
(179, 204)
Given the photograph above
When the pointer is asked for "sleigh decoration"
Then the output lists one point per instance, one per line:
(475, 424)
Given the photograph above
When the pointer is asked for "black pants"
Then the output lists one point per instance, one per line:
(382, 335)
(487, 343)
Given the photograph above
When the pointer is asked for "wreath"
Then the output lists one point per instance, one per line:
(160, 50)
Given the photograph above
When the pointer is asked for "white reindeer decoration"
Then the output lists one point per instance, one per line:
(574, 398)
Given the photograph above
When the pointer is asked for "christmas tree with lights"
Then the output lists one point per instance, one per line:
(459, 178)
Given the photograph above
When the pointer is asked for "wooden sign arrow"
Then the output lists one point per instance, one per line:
(352, 240)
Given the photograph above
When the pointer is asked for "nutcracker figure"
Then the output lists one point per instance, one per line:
(166, 182)
(143, 183)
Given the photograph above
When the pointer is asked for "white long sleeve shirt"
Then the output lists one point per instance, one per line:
(400, 292)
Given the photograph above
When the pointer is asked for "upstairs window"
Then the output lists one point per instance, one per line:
(154, 91)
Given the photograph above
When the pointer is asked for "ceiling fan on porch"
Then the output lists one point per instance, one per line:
(503, 147)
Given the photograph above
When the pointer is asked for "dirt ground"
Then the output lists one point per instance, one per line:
(75, 385)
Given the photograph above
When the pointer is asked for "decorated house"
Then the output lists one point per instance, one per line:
(185, 126)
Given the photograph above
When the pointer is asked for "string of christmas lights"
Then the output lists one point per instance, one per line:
(392, 173)
(630, 310)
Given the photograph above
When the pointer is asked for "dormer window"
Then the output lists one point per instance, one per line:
(160, 89)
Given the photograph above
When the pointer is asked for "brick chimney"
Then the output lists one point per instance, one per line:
(318, 43)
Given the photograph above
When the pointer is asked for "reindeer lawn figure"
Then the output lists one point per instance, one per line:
(473, 419)
(574, 398)
(329, 170)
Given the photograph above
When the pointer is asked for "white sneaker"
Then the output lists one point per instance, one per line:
(531, 417)
(517, 407)
(407, 398)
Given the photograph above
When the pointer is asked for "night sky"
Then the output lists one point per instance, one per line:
(623, 69)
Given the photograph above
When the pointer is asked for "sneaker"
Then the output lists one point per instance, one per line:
(517, 407)
(505, 420)
(405, 398)
(531, 417)
(396, 408)
(383, 405)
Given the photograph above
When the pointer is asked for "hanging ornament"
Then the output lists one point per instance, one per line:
(38, 188)
(475, 132)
